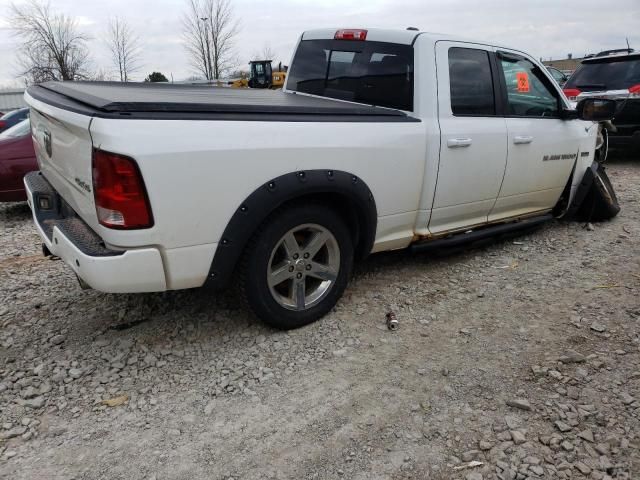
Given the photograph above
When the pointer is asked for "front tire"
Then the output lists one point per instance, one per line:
(296, 266)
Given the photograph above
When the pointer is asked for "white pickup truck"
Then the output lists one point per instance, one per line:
(380, 140)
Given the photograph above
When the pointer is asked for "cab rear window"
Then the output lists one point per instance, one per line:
(373, 73)
(606, 74)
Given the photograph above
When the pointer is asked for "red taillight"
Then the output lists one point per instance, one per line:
(120, 195)
(634, 91)
(3, 124)
(572, 93)
(350, 34)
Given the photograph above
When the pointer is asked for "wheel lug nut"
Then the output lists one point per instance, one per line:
(308, 267)
(291, 269)
(296, 256)
(306, 255)
(299, 275)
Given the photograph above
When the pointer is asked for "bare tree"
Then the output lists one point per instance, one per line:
(124, 46)
(52, 47)
(267, 53)
(101, 75)
(209, 32)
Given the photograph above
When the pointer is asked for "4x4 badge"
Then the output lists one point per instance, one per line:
(47, 143)
(83, 185)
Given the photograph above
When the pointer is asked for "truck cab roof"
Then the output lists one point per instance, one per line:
(404, 37)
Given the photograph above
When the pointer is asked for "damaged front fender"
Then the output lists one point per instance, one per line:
(595, 198)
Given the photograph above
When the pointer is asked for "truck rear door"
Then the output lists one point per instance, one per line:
(473, 147)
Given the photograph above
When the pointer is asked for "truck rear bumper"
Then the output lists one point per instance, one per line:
(66, 236)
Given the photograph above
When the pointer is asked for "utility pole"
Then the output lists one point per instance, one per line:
(207, 61)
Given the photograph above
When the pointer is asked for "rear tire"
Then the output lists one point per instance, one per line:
(601, 203)
(296, 266)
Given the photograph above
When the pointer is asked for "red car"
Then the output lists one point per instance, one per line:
(17, 158)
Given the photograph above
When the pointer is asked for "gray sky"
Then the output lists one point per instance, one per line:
(544, 28)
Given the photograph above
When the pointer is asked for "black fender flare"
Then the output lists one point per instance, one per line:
(251, 213)
(583, 189)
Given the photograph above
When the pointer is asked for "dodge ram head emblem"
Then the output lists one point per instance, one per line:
(47, 143)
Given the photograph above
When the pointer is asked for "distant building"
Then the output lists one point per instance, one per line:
(568, 64)
(11, 98)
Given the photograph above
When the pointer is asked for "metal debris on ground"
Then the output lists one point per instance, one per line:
(472, 464)
(392, 321)
(513, 266)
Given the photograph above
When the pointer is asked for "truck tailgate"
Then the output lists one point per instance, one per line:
(63, 148)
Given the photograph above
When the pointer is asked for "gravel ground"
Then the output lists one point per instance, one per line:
(521, 356)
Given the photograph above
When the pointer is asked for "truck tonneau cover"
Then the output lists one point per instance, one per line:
(156, 100)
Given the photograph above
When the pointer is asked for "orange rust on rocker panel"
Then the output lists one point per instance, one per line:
(479, 226)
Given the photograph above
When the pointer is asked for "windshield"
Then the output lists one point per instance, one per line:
(18, 130)
(374, 73)
(608, 74)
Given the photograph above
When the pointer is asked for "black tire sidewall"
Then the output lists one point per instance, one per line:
(596, 207)
(257, 291)
(602, 174)
(605, 208)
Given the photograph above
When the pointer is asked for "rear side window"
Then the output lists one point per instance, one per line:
(374, 73)
(471, 82)
(607, 74)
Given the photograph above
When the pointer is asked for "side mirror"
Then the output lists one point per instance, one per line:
(596, 109)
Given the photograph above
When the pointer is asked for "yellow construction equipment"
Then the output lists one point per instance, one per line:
(261, 75)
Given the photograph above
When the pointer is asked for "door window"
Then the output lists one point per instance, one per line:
(471, 82)
(529, 91)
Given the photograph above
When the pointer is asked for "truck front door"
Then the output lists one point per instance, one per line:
(473, 138)
(542, 147)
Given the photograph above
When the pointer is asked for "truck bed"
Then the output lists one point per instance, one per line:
(170, 101)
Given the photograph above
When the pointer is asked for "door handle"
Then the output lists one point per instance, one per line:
(458, 142)
(522, 139)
